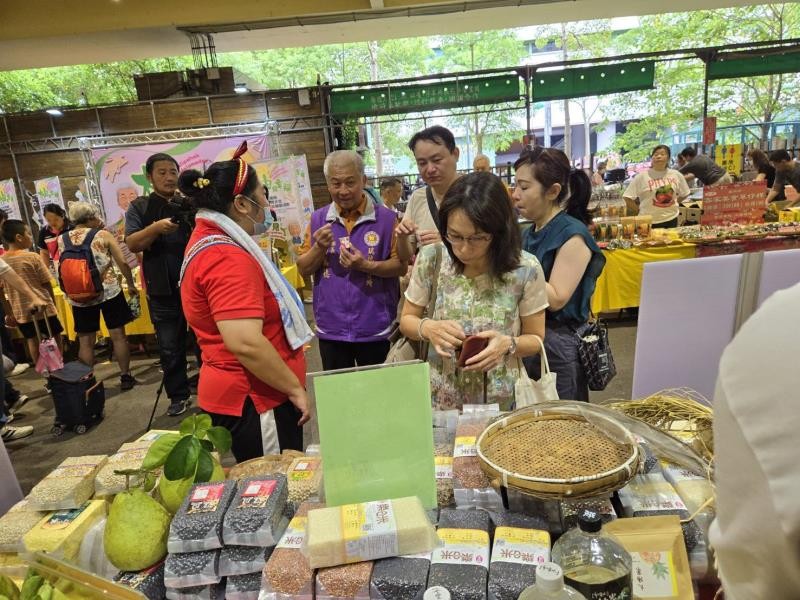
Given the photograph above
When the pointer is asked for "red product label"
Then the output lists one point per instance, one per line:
(257, 493)
(260, 488)
(205, 498)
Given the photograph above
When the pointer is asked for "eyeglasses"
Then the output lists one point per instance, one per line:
(472, 240)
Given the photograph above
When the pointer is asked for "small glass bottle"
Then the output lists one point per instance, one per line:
(550, 585)
(594, 562)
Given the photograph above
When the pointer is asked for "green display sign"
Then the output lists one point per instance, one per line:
(376, 434)
(581, 82)
(398, 99)
(751, 66)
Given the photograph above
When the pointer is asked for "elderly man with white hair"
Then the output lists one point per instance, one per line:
(351, 250)
(88, 235)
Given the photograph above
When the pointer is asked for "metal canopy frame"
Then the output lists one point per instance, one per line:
(528, 72)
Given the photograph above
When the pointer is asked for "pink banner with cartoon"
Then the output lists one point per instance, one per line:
(8, 199)
(121, 172)
(48, 191)
(289, 196)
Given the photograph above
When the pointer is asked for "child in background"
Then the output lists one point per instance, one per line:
(17, 237)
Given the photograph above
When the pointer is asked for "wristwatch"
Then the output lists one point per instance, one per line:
(513, 347)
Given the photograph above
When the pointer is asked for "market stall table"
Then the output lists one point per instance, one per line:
(620, 284)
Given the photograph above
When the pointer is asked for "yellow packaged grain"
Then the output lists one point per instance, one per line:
(367, 531)
(61, 532)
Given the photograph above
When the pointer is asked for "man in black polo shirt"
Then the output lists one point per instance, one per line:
(150, 229)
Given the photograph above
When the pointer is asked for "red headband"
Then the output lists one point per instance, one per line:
(241, 174)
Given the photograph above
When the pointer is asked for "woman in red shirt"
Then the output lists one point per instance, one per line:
(249, 321)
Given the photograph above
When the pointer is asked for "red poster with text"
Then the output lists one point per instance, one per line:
(710, 130)
(735, 203)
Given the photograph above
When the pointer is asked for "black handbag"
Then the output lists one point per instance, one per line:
(596, 358)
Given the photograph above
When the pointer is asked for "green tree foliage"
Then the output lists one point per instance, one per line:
(676, 103)
(68, 86)
(493, 128)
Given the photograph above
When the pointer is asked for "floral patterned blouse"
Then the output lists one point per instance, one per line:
(479, 304)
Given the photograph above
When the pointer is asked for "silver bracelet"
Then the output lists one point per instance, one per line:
(419, 329)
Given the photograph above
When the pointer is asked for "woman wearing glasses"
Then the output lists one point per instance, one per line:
(554, 196)
(486, 287)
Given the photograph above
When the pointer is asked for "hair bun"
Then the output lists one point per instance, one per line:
(187, 182)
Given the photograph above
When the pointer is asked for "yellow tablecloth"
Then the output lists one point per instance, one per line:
(142, 325)
(620, 284)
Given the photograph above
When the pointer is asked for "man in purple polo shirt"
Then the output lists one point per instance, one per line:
(350, 248)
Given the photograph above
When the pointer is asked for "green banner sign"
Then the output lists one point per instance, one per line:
(751, 66)
(581, 82)
(398, 99)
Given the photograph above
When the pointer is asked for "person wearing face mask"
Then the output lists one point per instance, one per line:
(351, 250)
(248, 319)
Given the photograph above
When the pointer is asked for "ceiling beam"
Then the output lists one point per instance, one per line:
(167, 40)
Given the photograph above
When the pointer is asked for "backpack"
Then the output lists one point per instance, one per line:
(78, 274)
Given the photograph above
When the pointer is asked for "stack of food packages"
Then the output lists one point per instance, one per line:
(471, 486)
(225, 530)
(243, 539)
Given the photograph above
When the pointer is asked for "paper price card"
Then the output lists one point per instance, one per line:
(653, 575)
(444, 467)
(295, 534)
(521, 546)
(465, 446)
(462, 547)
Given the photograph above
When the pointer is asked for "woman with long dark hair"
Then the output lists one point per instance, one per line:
(764, 170)
(555, 197)
(57, 224)
(249, 321)
(486, 287)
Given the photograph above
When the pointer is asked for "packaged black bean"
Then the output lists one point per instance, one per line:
(649, 462)
(461, 564)
(197, 525)
(243, 560)
(190, 569)
(256, 513)
(243, 587)
(651, 495)
(400, 578)
(570, 509)
(198, 592)
(521, 543)
(149, 582)
(548, 511)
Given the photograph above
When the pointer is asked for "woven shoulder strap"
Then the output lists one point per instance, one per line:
(202, 244)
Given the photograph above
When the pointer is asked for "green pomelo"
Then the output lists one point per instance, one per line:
(136, 531)
(173, 493)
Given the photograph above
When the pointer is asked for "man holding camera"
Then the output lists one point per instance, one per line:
(159, 226)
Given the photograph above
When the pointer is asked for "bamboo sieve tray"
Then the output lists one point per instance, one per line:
(553, 455)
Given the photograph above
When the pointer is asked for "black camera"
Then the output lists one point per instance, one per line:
(181, 210)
